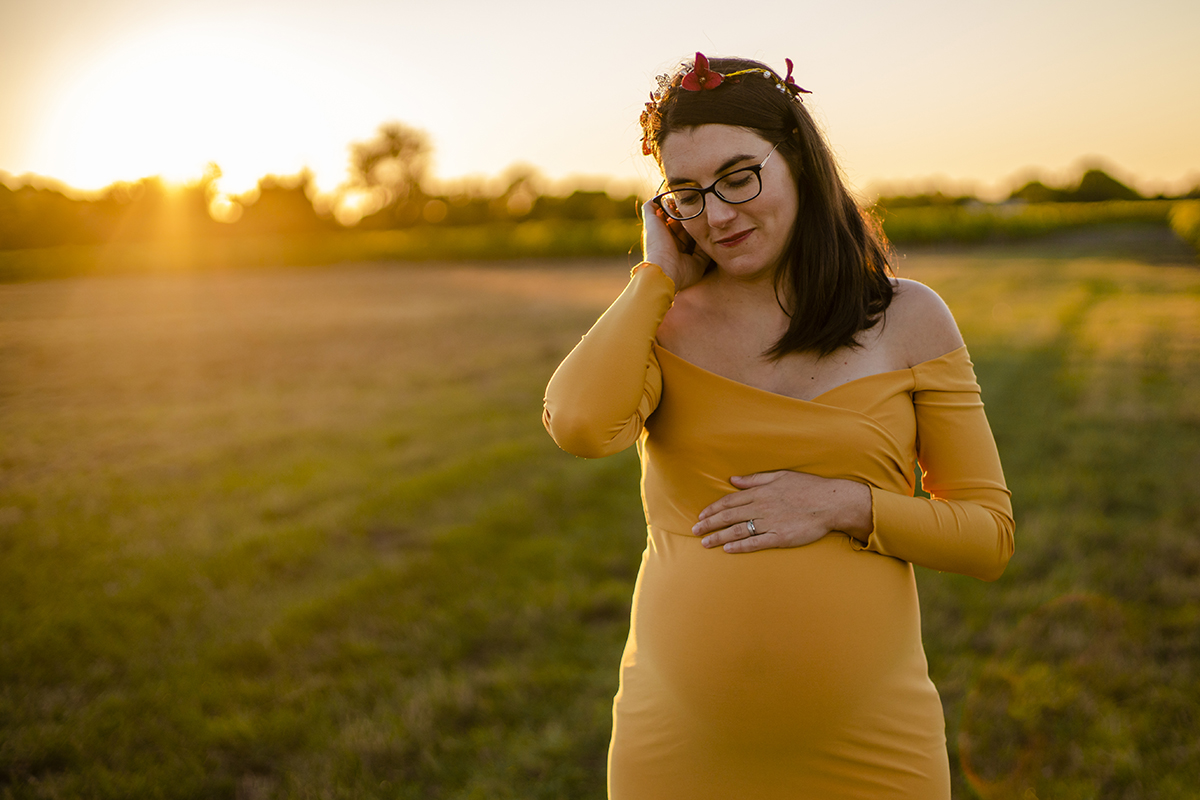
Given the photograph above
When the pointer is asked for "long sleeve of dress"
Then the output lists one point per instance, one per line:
(600, 396)
(967, 527)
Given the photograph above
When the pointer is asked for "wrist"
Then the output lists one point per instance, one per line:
(651, 266)
(856, 517)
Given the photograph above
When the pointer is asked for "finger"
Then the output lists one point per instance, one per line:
(659, 241)
(683, 239)
(732, 500)
(724, 519)
(653, 215)
(678, 234)
(732, 533)
(757, 479)
(764, 541)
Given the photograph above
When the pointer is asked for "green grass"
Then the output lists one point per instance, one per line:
(299, 533)
(302, 533)
(1076, 675)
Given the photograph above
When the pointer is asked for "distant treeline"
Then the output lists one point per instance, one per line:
(387, 190)
(32, 216)
(148, 210)
(1094, 186)
(1036, 209)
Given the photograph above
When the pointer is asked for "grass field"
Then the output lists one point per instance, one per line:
(299, 533)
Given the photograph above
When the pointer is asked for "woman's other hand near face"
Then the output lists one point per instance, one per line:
(667, 244)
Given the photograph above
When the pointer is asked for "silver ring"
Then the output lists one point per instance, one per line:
(750, 525)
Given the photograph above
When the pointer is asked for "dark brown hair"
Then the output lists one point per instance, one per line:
(836, 281)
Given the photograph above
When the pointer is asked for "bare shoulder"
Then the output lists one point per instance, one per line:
(921, 325)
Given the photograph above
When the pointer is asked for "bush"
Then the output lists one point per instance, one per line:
(1185, 221)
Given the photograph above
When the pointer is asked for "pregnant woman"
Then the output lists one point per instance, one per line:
(780, 384)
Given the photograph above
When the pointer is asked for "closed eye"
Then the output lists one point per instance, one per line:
(736, 180)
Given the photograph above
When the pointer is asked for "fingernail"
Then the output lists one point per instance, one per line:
(696, 528)
(706, 541)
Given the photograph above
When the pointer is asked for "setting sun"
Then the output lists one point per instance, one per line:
(172, 101)
(170, 106)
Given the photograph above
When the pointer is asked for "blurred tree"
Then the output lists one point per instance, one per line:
(520, 195)
(1036, 192)
(40, 216)
(151, 209)
(936, 198)
(33, 216)
(1097, 185)
(280, 204)
(1094, 185)
(582, 204)
(470, 205)
(386, 174)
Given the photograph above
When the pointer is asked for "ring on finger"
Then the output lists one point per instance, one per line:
(751, 528)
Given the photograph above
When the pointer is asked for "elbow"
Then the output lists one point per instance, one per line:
(576, 434)
(1005, 547)
(992, 572)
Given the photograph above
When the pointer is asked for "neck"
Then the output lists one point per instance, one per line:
(751, 299)
(758, 285)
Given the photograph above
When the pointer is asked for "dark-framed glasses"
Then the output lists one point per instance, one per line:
(737, 187)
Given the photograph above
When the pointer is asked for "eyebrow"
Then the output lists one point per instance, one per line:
(729, 163)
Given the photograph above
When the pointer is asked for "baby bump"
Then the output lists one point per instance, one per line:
(816, 633)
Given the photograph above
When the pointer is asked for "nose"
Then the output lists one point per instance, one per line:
(719, 212)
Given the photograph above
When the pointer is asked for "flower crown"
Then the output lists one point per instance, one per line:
(700, 78)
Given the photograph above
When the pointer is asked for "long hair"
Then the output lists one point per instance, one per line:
(836, 279)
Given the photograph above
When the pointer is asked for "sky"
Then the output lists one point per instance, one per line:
(958, 94)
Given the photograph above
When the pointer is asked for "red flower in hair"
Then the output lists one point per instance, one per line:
(701, 77)
(790, 81)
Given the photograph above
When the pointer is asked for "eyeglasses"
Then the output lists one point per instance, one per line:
(737, 187)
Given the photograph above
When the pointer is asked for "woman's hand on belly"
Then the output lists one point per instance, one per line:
(786, 509)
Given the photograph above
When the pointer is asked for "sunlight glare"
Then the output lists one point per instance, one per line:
(356, 203)
(172, 104)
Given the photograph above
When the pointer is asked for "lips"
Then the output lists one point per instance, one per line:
(737, 238)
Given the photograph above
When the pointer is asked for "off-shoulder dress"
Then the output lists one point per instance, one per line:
(784, 673)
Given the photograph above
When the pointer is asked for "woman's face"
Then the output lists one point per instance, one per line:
(747, 240)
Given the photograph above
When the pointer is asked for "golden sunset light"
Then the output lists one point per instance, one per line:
(172, 100)
(168, 106)
(120, 89)
(325, 472)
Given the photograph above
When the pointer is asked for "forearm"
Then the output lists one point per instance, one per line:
(973, 538)
(967, 526)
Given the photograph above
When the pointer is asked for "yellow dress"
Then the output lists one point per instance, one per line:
(785, 673)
